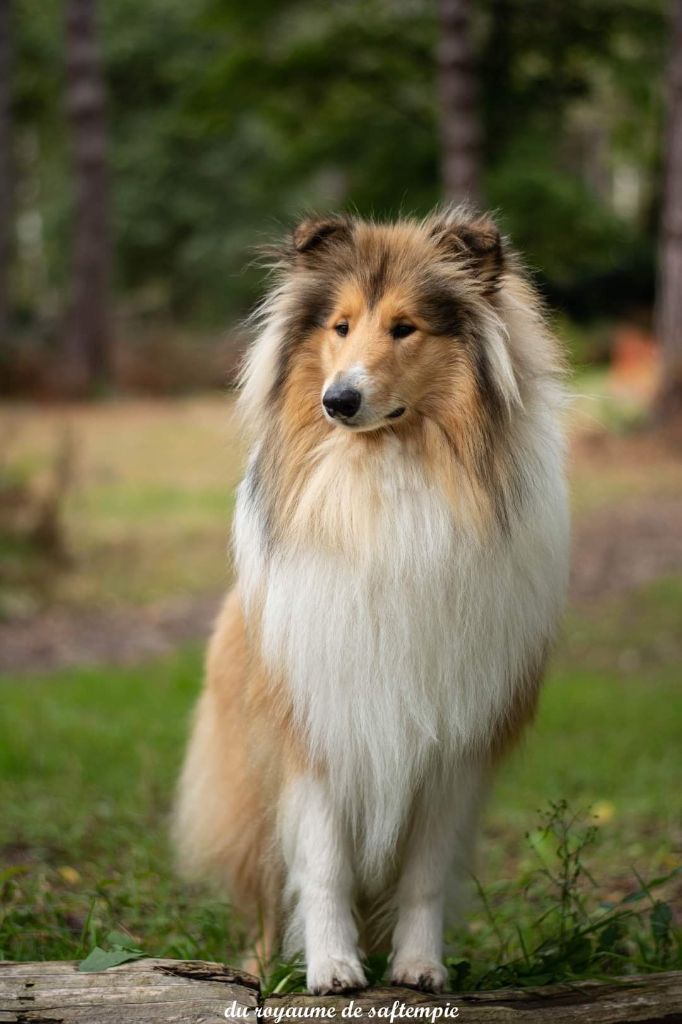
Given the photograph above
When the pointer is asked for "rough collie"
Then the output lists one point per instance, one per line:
(401, 541)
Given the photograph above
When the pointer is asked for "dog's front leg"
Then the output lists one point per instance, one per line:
(441, 839)
(320, 882)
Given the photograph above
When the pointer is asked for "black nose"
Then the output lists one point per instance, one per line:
(341, 401)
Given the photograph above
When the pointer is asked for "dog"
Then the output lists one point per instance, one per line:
(401, 539)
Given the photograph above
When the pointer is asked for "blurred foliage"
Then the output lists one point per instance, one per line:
(229, 119)
(567, 232)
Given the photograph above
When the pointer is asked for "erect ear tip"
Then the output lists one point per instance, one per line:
(474, 237)
(313, 231)
(472, 227)
(482, 236)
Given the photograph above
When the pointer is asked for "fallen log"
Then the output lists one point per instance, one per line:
(143, 992)
(154, 991)
(641, 999)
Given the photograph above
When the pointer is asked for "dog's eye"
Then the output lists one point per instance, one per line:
(341, 329)
(402, 331)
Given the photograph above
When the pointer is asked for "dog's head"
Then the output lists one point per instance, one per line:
(424, 333)
(373, 326)
(396, 308)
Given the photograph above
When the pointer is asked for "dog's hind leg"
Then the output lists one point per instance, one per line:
(224, 813)
(260, 956)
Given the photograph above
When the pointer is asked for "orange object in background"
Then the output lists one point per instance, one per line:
(635, 363)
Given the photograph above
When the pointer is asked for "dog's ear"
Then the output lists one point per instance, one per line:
(474, 240)
(315, 234)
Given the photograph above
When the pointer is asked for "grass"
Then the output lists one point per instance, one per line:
(88, 760)
(561, 930)
(147, 515)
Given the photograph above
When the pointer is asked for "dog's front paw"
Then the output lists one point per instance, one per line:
(329, 974)
(425, 975)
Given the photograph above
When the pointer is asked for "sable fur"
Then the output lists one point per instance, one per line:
(399, 584)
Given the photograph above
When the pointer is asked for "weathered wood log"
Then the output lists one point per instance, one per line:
(193, 992)
(641, 999)
(142, 992)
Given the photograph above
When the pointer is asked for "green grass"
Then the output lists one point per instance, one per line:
(611, 718)
(147, 513)
(88, 760)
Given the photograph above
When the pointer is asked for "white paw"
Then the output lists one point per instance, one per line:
(334, 974)
(426, 975)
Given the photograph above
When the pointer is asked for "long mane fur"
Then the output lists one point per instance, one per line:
(398, 587)
(403, 587)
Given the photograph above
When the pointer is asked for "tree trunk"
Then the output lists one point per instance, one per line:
(460, 131)
(669, 294)
(495, 75)
(87, 342)
(6, 168)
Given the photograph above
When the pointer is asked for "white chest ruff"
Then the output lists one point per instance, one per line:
(406, 656)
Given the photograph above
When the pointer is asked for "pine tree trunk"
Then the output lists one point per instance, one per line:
(669, 296)
(460, 129)
(6, 169)
(87, 342)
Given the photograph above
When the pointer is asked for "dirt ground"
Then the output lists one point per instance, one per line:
(62, 637)
(622, 539)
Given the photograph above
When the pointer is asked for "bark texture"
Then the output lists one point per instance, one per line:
(87, 344)
(669, 297)
(460, 130)
(142, 992)
(191, 991)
